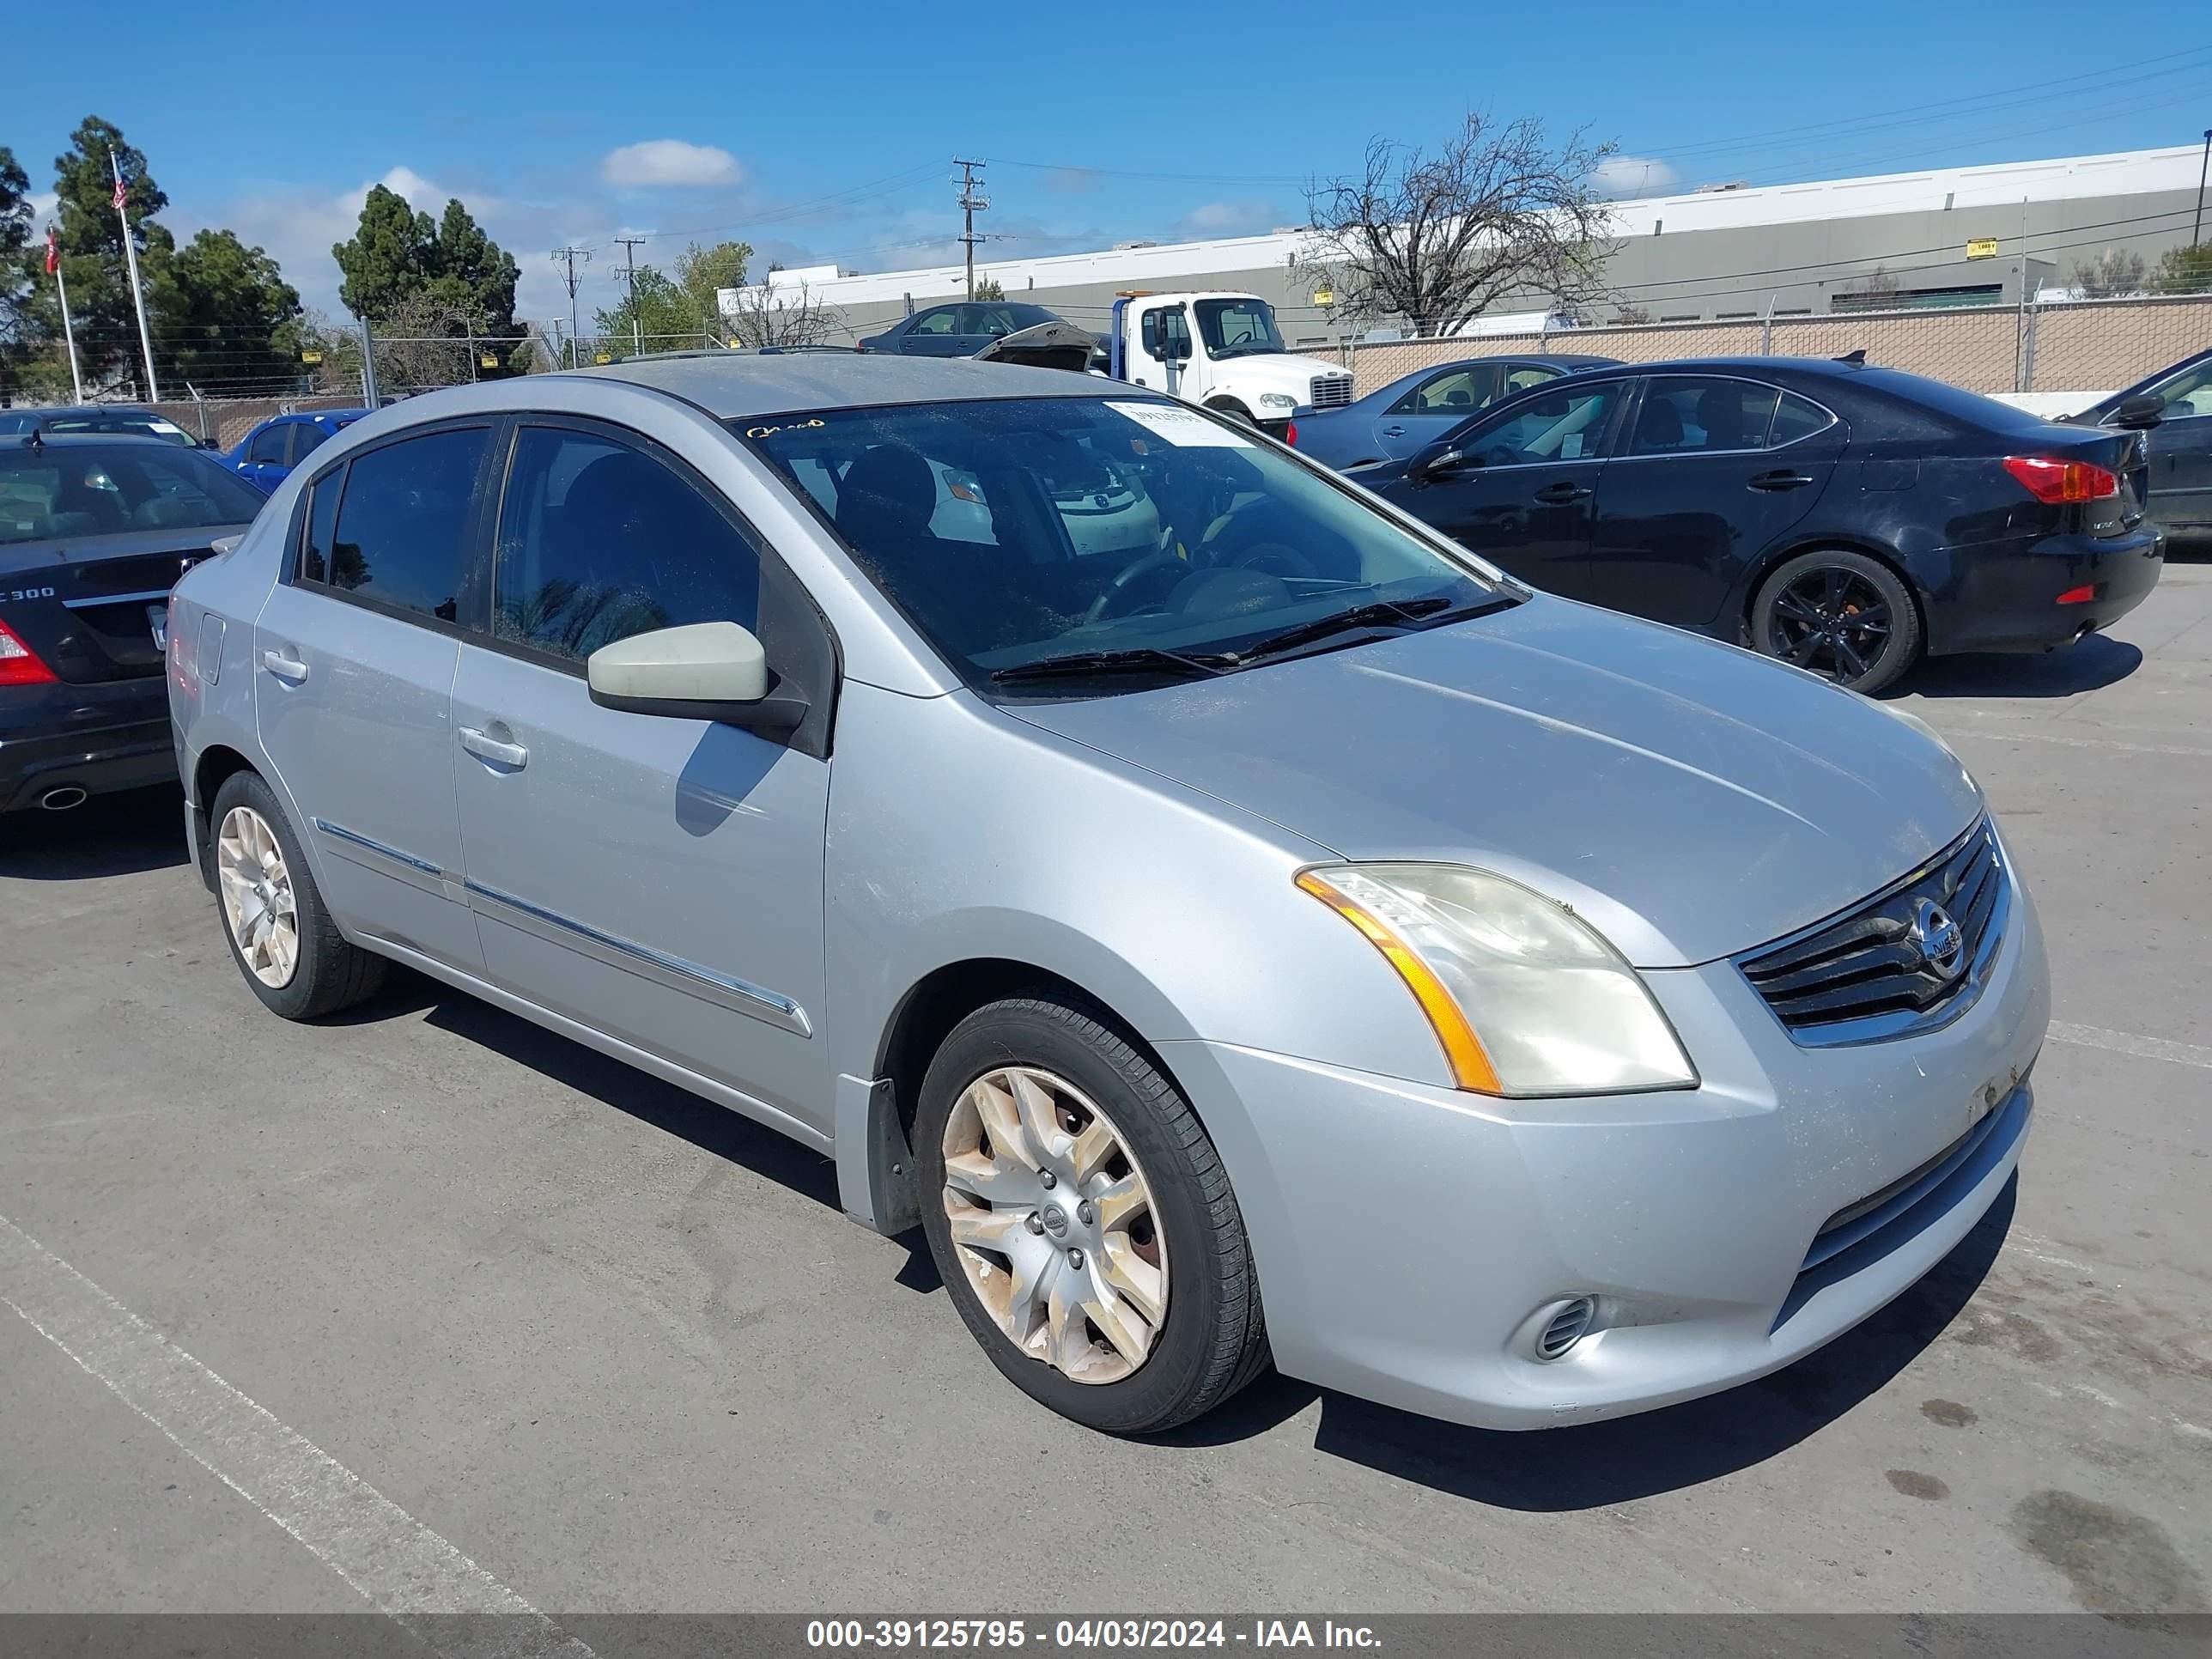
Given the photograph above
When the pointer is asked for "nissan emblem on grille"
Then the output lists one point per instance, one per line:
(1936, 937)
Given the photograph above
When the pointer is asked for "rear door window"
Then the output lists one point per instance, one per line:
(1459, 391)
(1687, 414)
(939, 321)
(267, 448)
(401, 539)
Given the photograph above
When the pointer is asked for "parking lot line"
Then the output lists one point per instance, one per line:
(403, 1568)
(2127, 1042)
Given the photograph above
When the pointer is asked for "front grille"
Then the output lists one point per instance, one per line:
(1880, 970)
(1330, 390)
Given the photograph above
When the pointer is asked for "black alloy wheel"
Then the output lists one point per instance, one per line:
(1842, 616)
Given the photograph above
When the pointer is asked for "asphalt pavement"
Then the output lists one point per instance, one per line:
(426, 1307)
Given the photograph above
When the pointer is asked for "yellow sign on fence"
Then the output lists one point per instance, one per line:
(488, 360)
(311, 356)
(1323, 296)
(1981, 247)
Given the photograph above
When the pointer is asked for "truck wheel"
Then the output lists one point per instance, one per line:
(1233, 409)
(1082, 1221)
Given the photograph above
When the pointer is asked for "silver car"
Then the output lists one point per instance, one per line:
(1543, 1015)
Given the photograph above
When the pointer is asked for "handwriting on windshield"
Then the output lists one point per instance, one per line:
(791, 426)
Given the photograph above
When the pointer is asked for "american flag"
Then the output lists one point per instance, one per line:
(121, 192)
(53, 250)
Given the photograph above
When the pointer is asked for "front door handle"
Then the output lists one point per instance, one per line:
(290, 670)
(1783, 480)
(486, 746)
(1559, 494)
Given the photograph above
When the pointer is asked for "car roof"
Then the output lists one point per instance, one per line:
(731, 385)
(88, 440)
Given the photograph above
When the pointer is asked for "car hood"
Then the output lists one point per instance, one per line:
(1689, 799)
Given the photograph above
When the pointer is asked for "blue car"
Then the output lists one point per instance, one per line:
(265, 456)
(1415, 409)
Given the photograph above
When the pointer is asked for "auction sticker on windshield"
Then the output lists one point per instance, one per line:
(1186, 428)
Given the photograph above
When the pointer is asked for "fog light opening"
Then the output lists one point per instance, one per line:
(1568, 1323)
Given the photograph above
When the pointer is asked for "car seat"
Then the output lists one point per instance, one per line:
(1659, 427)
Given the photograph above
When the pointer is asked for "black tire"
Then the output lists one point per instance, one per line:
(330, 973)
(1212, 1339)
(1235, 412)
(1841, 615)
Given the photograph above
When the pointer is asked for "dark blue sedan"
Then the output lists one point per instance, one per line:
(961, 330)
(265, 456)
(1416, 408)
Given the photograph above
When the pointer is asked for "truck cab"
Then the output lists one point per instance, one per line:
(1221, 350)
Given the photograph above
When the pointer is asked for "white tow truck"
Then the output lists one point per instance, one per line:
(1221, 350)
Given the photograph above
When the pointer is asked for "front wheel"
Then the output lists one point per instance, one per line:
(1844, 615)
(1234, 411)
(1082, 1223)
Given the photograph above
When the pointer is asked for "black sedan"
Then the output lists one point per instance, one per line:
(94, 532)
(2180, 445)
(956, 330)
(1844, 518)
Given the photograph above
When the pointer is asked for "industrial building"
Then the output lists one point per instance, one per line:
(1938, 237)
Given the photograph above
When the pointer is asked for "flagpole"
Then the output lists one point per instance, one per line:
(137, 295)
(68, 333)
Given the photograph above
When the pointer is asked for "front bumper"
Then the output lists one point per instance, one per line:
(2005, 598)
(1410, 1238)
(101, 739)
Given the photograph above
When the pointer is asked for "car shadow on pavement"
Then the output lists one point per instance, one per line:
(108, 835)
(2088, 664)
(1596, 1464)
(712, 1129)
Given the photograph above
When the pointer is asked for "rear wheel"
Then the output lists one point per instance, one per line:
(280, 936)
(1841, 615)
(1082, 1223)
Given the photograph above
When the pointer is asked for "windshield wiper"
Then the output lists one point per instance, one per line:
(1384, 613)
(1138, 659)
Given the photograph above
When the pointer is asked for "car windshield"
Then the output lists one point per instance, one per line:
(106, 490)
(136, 426)
(1021, 532)
(1237, 328)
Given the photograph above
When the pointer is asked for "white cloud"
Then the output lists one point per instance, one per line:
(1625, 176)
(669, 163)
(43, 203)
(1228, 219)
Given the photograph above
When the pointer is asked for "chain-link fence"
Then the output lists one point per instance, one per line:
(2085, 345)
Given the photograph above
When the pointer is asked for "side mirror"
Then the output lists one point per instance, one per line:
(2139, 413)
(1445, 462)
(702, 672)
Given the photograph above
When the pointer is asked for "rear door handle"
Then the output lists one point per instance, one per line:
(489, 748)
(1560, 494)
(290, 670)
(1784, 480)
(1393, 431)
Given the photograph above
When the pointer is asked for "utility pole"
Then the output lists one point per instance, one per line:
(2196, 233)
(630, 246)
(970, 205)
(567, 257)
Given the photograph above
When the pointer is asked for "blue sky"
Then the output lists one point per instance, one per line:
(825, 132)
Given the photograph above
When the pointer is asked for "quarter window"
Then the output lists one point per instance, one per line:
(1686, 414)
(1798, 418)
(599, 540)
(401, 538)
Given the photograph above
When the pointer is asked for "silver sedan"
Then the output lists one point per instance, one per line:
(1234, 922)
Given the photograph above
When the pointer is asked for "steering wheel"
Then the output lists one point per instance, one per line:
(1143, 564)
(1278, 557)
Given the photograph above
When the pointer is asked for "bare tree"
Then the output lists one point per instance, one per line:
(424, 341)
(2115, 271)
(1439, 238)
(759, 314)
(1872, 292)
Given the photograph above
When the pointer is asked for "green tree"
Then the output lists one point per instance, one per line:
(664, 314)
(402, 265)
(2184, 270)
(227, 317)
(17, 264)
(391, 256)
(989, 288)
(701, 273)
(92, 251)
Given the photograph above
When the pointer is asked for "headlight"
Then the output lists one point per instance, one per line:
(1525, 997)
(1277, 400)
